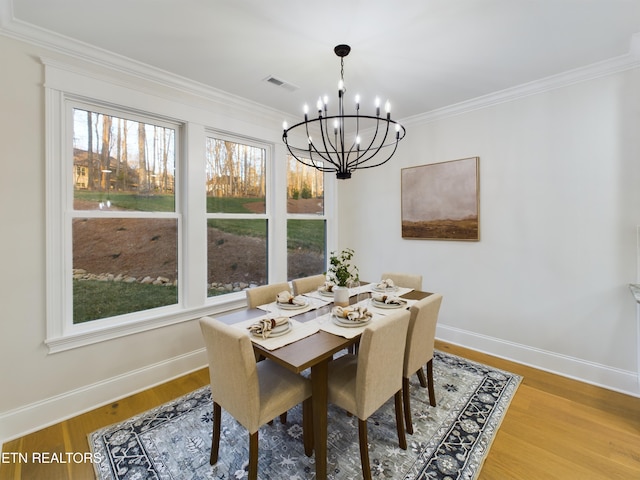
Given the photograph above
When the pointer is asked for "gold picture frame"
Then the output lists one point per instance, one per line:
(440, 201)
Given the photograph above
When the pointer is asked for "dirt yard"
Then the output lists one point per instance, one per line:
(140, 248)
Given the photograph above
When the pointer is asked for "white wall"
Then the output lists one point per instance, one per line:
(547, 284)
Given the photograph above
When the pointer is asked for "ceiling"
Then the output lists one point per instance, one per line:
(421, 55)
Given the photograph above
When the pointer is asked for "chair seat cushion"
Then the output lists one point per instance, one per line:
(280, 390)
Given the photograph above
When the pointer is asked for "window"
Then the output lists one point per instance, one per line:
(236, 215)
(124, 223)
(154, 216)
(306, 224)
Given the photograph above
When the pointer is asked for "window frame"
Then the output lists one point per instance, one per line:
(269, 194)
(313, 216)
(198, 110)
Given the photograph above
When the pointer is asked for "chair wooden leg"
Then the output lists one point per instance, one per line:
(432, 393)
(402, 438)
(215, 442)
(253, 456)
(423, 381)
(283, 418)
(364, 449)
(307, 426)
(406, 398)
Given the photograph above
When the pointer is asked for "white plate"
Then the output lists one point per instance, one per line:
(378, 304)
(376, 288)
(348, 323)
(324, 293)
(292, 306)
(277, 332)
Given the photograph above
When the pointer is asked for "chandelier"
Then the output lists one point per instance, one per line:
(343, 143)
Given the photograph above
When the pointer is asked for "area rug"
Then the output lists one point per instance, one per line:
(450, 441)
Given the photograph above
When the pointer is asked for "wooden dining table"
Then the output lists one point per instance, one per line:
(313, 352)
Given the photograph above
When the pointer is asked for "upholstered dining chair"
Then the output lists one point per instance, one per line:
(362, 383)
(421, 336)
(406, 280)
(253, 393)
(265, 293)
(307, 284)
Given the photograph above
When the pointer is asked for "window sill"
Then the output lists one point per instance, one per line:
(80, 337)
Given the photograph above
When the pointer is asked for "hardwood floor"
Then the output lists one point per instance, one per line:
(555, 428)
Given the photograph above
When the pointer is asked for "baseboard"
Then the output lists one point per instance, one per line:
(618, 380)
(36, 416)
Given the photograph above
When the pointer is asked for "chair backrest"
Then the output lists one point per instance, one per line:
(307, 284)
(407, 280)
(421, 333)
(380, 357)
(232, 371)
(265, 293)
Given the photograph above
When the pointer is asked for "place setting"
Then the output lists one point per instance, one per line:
(288, 305)
(388, 287)
(273, 331)
(346, 322)
(387, 303)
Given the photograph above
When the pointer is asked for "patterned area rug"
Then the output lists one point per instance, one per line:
(450, 441)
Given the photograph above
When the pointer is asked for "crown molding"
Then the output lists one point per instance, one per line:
(589, 72)
(98, 57)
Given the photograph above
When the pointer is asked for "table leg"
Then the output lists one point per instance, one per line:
(319, 389)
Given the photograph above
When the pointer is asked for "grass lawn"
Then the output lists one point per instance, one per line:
(95, 299)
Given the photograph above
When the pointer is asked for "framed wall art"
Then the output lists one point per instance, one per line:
(440, 201)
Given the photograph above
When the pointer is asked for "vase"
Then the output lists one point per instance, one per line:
(341, 296)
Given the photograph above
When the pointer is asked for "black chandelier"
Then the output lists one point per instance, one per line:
(347, 142)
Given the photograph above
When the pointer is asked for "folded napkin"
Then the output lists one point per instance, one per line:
(263, 327)
(327, 287)
(286, 297)
(355, 314)
(388, 299)
(388, 283)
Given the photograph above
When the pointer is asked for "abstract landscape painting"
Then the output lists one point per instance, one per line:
(440, 200)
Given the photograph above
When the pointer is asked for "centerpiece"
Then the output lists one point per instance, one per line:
(343, 274)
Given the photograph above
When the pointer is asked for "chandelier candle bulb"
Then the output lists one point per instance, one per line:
(334, 152)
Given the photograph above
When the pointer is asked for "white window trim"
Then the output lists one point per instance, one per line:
(199, 110)
(270, 195)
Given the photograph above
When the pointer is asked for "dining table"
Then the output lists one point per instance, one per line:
(314, 351)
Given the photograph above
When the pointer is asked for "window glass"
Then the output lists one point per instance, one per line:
(122, 164)
(237, 254)
(306, 233)
(306, 247)
(123, 265)
(122, 262)
(236, 192)
(305, 189)
(236, 177)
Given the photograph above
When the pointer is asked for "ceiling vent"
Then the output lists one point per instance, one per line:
(281, 83)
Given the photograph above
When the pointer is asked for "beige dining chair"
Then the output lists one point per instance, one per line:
(421, 336)
(253, 393)
(362, 383)
(406, 280)
(265, 293)
(308, 284)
